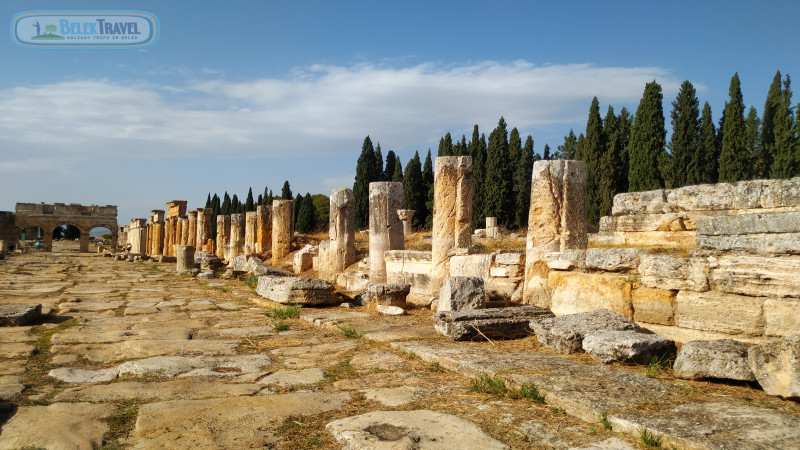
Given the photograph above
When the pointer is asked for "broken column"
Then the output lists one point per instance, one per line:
(452, 213)
(203, 229)
(223, 235)
(184, 221)
(158, 232)
(282, 229)
(191, 232)
(491, 227)
(148, 249)
(263, 228)
(385, 228)
(236, 238)
(250, 223)
(341, 252)
(137, 235)
(556, 221)
(405, 216)
(185, 259)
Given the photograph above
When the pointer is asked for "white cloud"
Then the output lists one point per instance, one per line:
(319, 109)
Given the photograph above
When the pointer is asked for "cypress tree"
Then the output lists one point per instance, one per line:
(477, 149)
(445, 146)
(785, 163)
(594, 145)
(708, 159)
(608, 165)
(236, 205)
(378, 164)
(427, 178)
(499, 177)
(366, 171)
(752, 133)
(391, 160)
(397, 173)
(249, 204)
(523, 176)
(546, 152)
(767, 148)
(225, 209)
(306, 222)
(734, 164)
(685, 139)
(208, 200)
(579, 156)
(647, 141)
(624, 125)
(461, 148)
(286, 192)
(298, 203)
(267, 200)
(514, 161)
(567, 150)
(260, 200)
(414, 192)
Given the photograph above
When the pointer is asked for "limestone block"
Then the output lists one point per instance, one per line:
(492, 323)
(296, 290)
(17, 315)
(781, 316)
(761, 244)
(574, 292)
(566, 333)
(613, 259)
(566, 260)
(754, 223)
(250, 227)
(412, 267)
(385, 227)
(304, 259)
(757, 275)
(627, 346)
(502, 286)
(341, 230)
(652, 202)
(470, 265)
(258, 267)
(653, 306)
(263, 228)
(236, 237)
(651, 239)
(510, 258)
(353, 281)
(185, 259)
(780, 193)
(387, 294)
(776, 366)
(223, 236)
(665, 271)
(722, 358)
(282, 229)
(452, 212)
(718, 311)
(684, 221)
(207, 261)
(458, 293)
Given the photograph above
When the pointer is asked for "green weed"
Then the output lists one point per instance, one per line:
(349, 331)
(649, 439)
(489, 385)
(284, 312)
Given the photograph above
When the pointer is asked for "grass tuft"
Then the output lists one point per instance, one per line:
(528, 391)
(604, 421)
(656, 366)
(487, 384)
(284, 312)
(648, 439)
(251, 281)
(280, 326)
(349, 331)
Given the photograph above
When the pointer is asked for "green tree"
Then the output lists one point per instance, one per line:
(249, 204)
(624, 124)
(414, 191)
(594, 146)
(648, 138)
(445, 146)
(427, 178)
(322, 205)
(298, 203)
(378, 164)
(266, 198)
(546, 152)
(391, 161)
(498, 194)
(286, 192)
(752, 134)
(608, 165)
(567, 150)
(785, 162)
(709, 148)
(523, 176)
(514, 160)
(366, 172)
(306, 222)
(397, 173)
(734, 161)
(685, 139)
(208, 200)
(477, 149)
(225, 209)
(767, 147)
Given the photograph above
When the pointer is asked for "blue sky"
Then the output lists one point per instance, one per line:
(242, 93)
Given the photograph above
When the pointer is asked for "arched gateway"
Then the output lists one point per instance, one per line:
(49, 217)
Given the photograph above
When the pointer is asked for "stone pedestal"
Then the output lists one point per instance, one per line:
(223, 236)
(405, 216)
(263, 228)
(84, 242)
(137, 235)
(452, 213)
(282, 229)
(388, 294)
(185, 259)
(250, 222)
(491, 227)
(341, 252)
(236, 239)
(385, 228)
(556, 221)
(191, 232)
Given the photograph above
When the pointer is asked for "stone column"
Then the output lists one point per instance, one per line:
(405, 216)
(149, 244)
(137, 235)
(223, 235)
(341, 251)
(158, 231)
(185, 230)
(191, 232)
(202, 228)
(84, 241)
(491, 227)
(282, 229)
(236, 239)
(250, 225)
(556, 221)
(385, 228)
(185, 259)
(263, 228)
(452, 213)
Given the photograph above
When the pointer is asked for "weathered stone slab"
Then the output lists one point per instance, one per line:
(144, 348)
(665, 271)
(627, 346)
(677, 240)
(566, 333)
(760, 244)
(637, 223)
(388, 294)
(724, 358)
(237, 422)
(60, 425)
(510, 258)
(303, 259)
(168, 390)
(410, 429)
(776, 366)
(757, 275)
(301, 291)
(613, 259)
(288, 378)
(566, 260)
(470, 265)
(16, 315)
(718, 311)
(780, 193)
(653, 202)
(575, 292)
(461, 292)
(10, 387)
(394, 396)
(754, 223)
(494, 323)
(781, 316)
(653, 306)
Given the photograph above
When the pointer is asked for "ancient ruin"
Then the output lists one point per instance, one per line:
(452, 213)
(385, 228)
(282, 228)
(49, 217)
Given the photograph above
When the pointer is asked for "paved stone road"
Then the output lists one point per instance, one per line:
(134, 356)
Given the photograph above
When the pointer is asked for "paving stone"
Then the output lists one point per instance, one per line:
(16, 350)
(410, 429)
(16, 315)
(60, 425)
(296, 290)
(10, 387)
(491, 323)
(627, 346)
(566, 333)
(13, 367)
(145, 348)
(776, 366)
(394, 396)
(723, 358)
(180, 389)
(288, 378)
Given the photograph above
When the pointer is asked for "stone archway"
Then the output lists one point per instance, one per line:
(48, 217)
